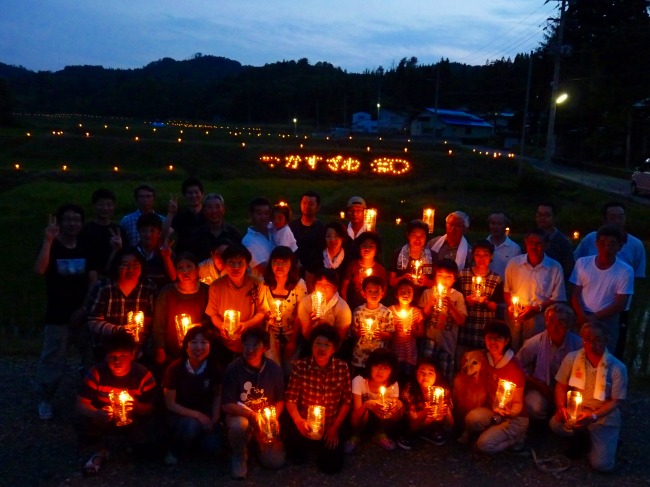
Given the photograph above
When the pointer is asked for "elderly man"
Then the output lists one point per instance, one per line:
(453, 245)
(541, 356)
(536, 281)
(603, 284)
(602, 381)
(216, 230)
(558, 245)
(504, 248)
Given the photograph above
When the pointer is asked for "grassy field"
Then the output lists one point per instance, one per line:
(227, 159)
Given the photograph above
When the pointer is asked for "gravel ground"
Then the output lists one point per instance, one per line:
(36, 452)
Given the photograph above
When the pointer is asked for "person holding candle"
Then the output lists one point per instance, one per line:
(112, 298)
(602, 381)
(483, 292)
(409, 326)
(213, 267)
(192, 390)
(282, 292)
(368, 247)
(541, 356)
(334, 255)
(252, 383)
(98, 415)
(445, 311)
(536, 281)
(319, 380)
(372, 323)
(503, 421)
(427, 405)
(376, 407)
(453, 245)
(414, 261)
(186, 296)
(238, 291)
(334, 311)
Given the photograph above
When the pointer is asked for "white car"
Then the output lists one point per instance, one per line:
(641, 178)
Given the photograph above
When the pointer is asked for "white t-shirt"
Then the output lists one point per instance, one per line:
(600, 287)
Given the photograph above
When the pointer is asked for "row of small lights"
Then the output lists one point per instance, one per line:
(19, 167)
(383, 165)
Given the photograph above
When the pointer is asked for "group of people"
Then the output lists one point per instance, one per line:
(295, 337)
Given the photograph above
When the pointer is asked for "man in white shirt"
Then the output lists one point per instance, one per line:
(504, 248)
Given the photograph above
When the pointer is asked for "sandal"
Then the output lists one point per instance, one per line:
(94, 463)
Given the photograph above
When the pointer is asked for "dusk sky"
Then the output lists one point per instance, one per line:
(352, 34)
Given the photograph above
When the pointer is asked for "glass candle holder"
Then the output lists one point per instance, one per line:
(317, 303)
(436, 399)
(231, 322)
(406, 320)
(268, 422)
(135, 324)
(316, 421)
(183, 323)
(370, 219)
(478, 286)
(428, 215)
(504, 395)
(441, 292)
(573, 407)
(118, 404)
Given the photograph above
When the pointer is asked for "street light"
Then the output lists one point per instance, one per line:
(295, 127)
(378, 107)
(550, 136)
(561, 99)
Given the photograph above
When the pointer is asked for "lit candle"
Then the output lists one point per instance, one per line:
(398, 221)
(315, 416)
(428, 215)
(118, 403)
(515, 306)
(417, 265)
(183, 323)
(278, 311)
(369, 327)
(436, 396)
(406, 319)
(368, 272)
(382, 391)
(268, 422)
(477, 285)
(507, 230)
(576, 235)
(317, 301)
(503, 397)
(573, 406)
(135, 324)
(370, 219)
(230, 322)
(441, 294)
(342, 214)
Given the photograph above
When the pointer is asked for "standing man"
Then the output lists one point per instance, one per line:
(504, 248)
(536, 281)
(66, 268)
(186, 220)
(603, 283)
(453, 245)
(309, 232)
(215, 231)
(145, 197)
(558, 245)
(356, 212)
(258, 240)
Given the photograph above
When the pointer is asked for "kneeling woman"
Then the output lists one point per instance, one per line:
(192, 388)
(502, 422)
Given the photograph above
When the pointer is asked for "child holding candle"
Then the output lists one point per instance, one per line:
(372, 325)
(427, 405)
(414, 261)
(503, 421)
(375, 401)
(99, 419)
(213, 267)
(445, 311)
(192, 389)
(367, 246)
(409, 325)
(483, 292)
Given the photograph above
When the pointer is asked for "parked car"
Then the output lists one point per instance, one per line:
(641, 178)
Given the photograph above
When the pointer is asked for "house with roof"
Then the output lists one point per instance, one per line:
(452, 125)
(389, 122)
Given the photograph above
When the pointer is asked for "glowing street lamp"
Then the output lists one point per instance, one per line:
(295, 127)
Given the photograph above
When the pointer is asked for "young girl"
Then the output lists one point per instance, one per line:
(368, 247)
(414, 261)
(283, 290)
(426, 419)
(375, 401)
(408, 321)
(279, 227)
(334, 256)
(192, 388)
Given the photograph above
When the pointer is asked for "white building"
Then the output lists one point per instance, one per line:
(450, 125)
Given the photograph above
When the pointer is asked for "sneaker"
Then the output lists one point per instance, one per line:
(405, 443)
(170, 459)
(436, 438)
(238, 468)
(351, 445)
(385, 442)
(45, 410)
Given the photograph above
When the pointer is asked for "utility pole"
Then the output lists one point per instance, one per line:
(550, 134)
(523, 124)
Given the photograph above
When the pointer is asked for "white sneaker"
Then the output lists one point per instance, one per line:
(45, 410)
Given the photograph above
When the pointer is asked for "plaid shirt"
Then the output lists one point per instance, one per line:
(108, 307)
(130, 225)
(311, 385)
(478, 315)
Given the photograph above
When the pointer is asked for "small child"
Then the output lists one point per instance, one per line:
(101, 417)
(375, 401)
(281, 234)
(409, 322)
(445, 310)
(367, 246)
(213, 267)
(372, 325)
(430, 421)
